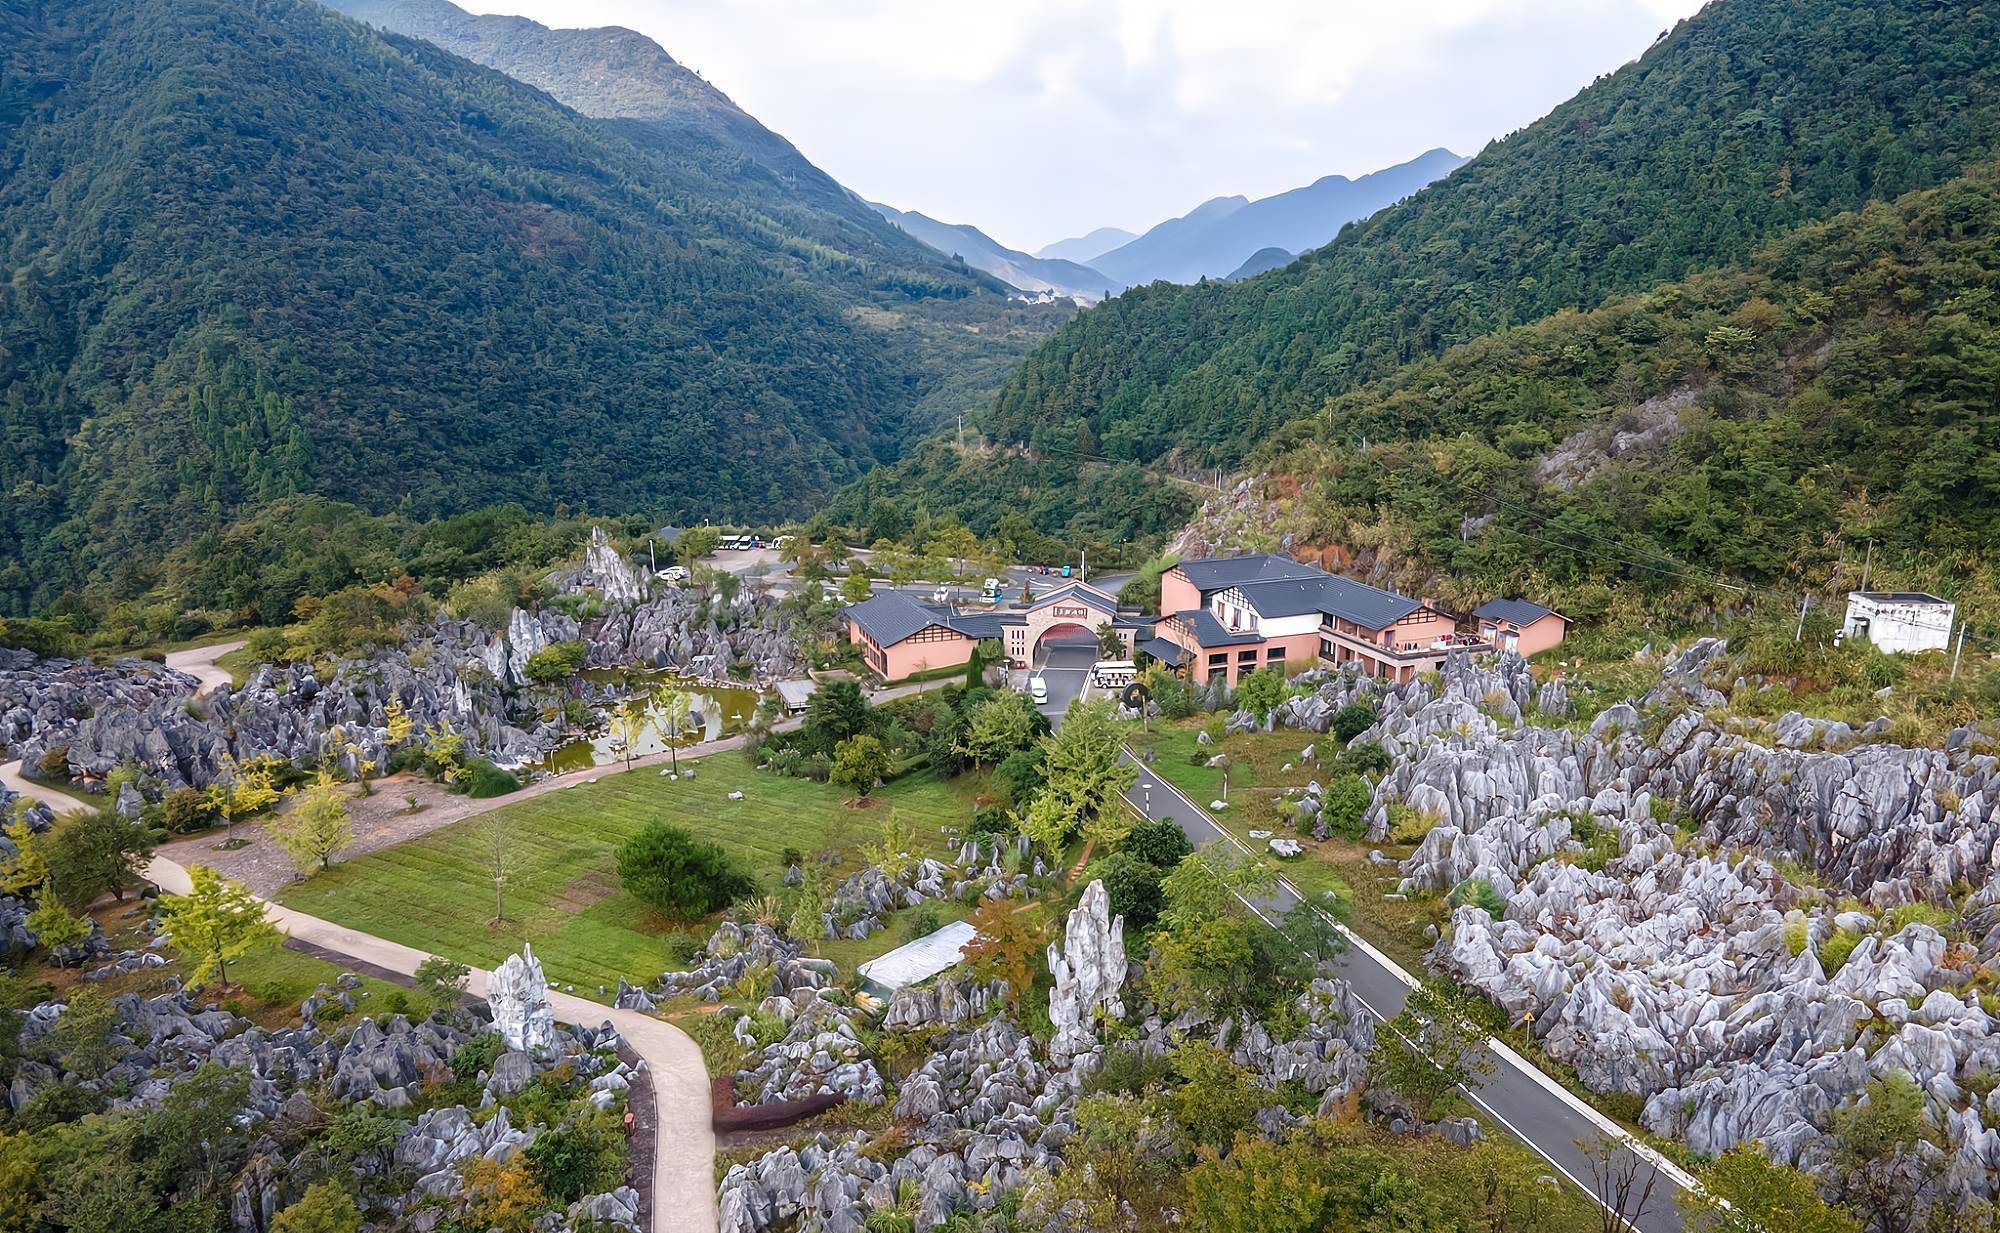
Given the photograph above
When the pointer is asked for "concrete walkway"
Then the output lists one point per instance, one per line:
(684, 1146)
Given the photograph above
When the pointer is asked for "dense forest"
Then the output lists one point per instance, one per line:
(1752, 117)
(1758, 424)
(254, 250)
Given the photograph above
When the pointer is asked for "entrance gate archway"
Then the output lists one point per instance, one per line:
(1073, 611)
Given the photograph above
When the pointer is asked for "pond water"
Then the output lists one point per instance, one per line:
(719, 710)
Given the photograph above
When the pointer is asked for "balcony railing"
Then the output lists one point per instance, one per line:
(1407, 652)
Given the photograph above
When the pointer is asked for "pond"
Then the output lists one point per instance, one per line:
(719, 710)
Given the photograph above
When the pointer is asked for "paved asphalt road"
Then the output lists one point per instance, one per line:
(1065, 664)
(1516, 1095)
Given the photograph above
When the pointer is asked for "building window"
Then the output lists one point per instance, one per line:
(1247, 657)
(1276, 653)
(1220, 657)
(1326, 650)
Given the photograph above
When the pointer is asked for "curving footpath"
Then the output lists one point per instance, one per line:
(684, 1140)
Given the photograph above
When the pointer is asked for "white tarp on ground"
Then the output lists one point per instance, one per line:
(916, 961)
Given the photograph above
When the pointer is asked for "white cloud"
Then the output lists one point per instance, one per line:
(1037, 119)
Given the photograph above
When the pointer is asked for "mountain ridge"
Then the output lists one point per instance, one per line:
(1220, 234)
(1011, 266)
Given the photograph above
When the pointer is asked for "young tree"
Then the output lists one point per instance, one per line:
(675, 706)
(629, 724)
(496, 839)
(1005, 945)
(1347, 801)
(242, 790)
(998, 727)
(54, 925)
(1160, 842)
(397, 723)
(215, 922)
(1109, 644)
(806, 923)
(683, 878)
(856, 587)
(316, 826)
(95, 853)
(1878, 1168)
(1083, 768)
(441, 983)
(28, 869)
(696, 543)
(892, 851)
(1621, 1181)
(836, 712)
(859, 763)
(1432, 1047)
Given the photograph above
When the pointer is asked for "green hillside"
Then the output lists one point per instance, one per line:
(1761, 424)
(1750, 118)
(254, 249)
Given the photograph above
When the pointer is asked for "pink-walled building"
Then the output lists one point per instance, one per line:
(1224, 617)
(1520, 626)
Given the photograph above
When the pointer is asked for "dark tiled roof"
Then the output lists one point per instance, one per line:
(1168, 653)
(1219, 573)
(1519, 611)
(982, 624)
(888, 617)
(1331, 595)
(1208, 631)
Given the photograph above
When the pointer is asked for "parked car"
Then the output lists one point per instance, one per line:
(1038, 690)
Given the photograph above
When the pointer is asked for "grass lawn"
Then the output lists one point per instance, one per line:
(436, 891)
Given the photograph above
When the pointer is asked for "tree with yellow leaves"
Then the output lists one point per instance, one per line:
(315, 828)
(215, 922)
(243, 789)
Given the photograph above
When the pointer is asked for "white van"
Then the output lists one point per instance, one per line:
(1038, 689)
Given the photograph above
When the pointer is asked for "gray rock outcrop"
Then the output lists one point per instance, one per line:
(519, 996)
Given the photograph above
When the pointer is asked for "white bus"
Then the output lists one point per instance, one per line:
(1114, 673)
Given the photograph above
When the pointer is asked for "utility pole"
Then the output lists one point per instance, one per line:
(1866, 564)
(1958, 650)
(1804, 600)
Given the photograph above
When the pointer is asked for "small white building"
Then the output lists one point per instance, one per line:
(1899, 621)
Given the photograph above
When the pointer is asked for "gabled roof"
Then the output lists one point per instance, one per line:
(1208, 631)
(1079, 593)
(1519, 611)
(1168, 653)
(888, 617)
(1330, 595)
(982, 625)
(1220, 573)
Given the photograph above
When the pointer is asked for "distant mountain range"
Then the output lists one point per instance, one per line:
(1011, 266)
(1082, 248)
(1258, 262)
(1220, 235)
(1225, 237)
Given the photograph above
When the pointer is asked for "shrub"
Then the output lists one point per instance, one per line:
(481, 779)
(922, 921)
(1479, 893)
(186, 810)
(1363, 758)
(1903, 915)
(587, 1157)
(324, 1208)
(1407, 825)
(1158, 842)
(558, 661)
(1133, 887)
(54, 765)
(1347, 801)
(682, 948)
(1354, 719)
(681, 877)
(1834, 951)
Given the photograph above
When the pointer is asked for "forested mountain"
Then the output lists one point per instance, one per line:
(612, 73)
(1221, 234)
(1010, 266)
(254, 249)
(1749, 118)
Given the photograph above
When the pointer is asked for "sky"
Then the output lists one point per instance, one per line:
(1041, 119)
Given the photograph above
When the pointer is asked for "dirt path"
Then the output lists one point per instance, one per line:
(684, 1140)
(199, 663)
